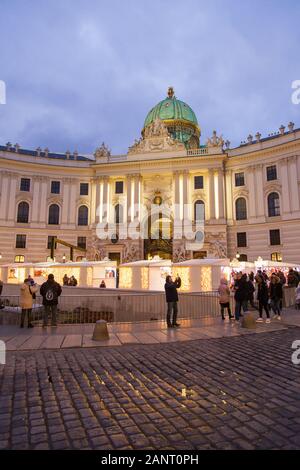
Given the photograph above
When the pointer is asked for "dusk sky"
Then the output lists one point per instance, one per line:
(79, 72)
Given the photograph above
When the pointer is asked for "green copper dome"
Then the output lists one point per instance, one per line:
(179, 118)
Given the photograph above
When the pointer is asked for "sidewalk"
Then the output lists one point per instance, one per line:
(80, 336)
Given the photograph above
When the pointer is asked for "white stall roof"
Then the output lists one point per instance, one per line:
(147, 263)
(265, 263)
(204, 262)
(49, 264)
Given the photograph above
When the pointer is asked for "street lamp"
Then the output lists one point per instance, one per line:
(237, 256)
(64, 258)
(0, 256)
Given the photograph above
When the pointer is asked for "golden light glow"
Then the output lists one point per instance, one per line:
(89, 276)
(184, 274)
(206, 279)
(59, 272)
(132, 201)
(125, 278)
(145, 278)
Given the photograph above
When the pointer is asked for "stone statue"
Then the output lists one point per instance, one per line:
(130, 253)
(102, 152)
(215, 141)
(179, 254)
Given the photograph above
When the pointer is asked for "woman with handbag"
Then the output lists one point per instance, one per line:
(26, 301)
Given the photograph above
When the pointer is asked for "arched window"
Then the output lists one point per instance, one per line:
(241, 209)
(53, 218)
(23, 212)
(118, 214)
(83, 215)
(199, 211)
(273, 205)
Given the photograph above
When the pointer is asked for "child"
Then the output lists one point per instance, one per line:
(224, 298)
(298, 297)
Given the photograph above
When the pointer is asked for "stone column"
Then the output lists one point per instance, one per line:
(260, 199)
(5, 179)
(66, 200)
(229, 197)
(12, 199)
(212, 210)
(43, 218)
(221, 193)
(136, 196)
(293, 177)
(95, 199)
(176, 207)
(128, 194)
(252, 192)
(35, 199)
(105, 198)
(286, 207)
(73, 209)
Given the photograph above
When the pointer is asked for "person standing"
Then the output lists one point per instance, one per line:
(224, 298)
(262, 297)
(241, 295)
(251, 290)
(172, 300)
(50, 291)
(276, 294)
(27, 291)
(297, 292)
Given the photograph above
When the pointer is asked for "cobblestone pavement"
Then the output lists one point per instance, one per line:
(241, 393)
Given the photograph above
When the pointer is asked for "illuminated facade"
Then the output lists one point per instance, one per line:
(250, 194)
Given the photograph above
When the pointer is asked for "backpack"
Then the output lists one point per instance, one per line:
(51, 293)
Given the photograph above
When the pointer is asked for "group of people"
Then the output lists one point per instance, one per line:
(69, 281)
(49, 290)
(267, 290)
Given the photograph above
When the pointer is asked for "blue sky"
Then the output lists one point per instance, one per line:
(79, 72)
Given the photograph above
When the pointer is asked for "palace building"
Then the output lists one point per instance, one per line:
(250, 195)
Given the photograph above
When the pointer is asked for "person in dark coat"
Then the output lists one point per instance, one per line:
(50, 291)
(241, 295)
(262, 297)
(172, 300)
(276, 294)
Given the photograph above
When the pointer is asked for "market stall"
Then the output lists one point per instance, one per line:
(201, 275)
(145, 274)
(87, 273)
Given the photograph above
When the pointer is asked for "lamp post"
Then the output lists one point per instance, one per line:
(64, 258)
(237, 256)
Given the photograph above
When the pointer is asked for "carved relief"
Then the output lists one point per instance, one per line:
(156, 138)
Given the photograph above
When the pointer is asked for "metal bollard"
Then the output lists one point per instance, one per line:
(100, 331)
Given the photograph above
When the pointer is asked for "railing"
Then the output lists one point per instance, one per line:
(195, 152)
(135, 307)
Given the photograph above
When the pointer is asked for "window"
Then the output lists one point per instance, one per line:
(241, 239)
(25, 184)
(53, 218)
(118, 214)
(243, 257)
(119, 187)
(241, 209)
(239, 179)
(198, 182)
(273, 205)
(19, 259)
(276, 256)
(21, 241)
(275, 237)
(55, 187)
(271, 173)
(84, 189)
(49, 243)
(199, 211)
(81, 242)
(23, 212)
(83, 215)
